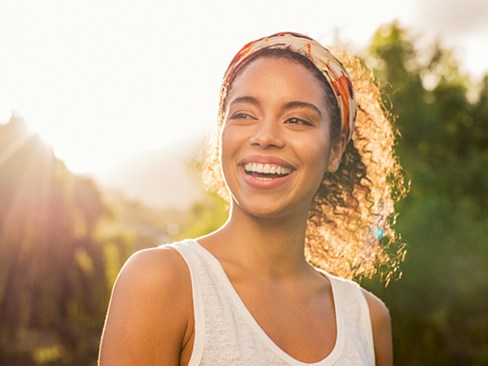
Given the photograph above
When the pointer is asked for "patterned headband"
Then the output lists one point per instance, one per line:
(321, 57)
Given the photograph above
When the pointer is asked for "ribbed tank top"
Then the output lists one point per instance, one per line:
(227, 334)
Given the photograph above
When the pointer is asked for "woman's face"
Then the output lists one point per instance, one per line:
(275, 142)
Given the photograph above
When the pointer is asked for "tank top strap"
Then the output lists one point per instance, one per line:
(354, 310)
(199, 277)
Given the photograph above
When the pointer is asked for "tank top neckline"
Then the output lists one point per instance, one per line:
(329, 359)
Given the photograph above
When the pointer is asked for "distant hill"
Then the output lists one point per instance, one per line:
(163, 178)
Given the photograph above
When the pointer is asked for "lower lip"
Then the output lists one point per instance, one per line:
(264, 183)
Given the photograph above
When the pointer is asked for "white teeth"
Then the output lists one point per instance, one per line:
(266, 169)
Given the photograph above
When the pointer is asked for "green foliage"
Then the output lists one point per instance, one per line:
(205, 216)
(439, 307)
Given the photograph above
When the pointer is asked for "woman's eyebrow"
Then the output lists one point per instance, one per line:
(300, 104)
(244, 99)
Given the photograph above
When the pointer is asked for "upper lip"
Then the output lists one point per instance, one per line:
(263, 159)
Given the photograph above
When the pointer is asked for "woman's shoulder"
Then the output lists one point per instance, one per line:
(380, 315)
(159, 267)
(156, 277)
(149, 315)
(381, 326)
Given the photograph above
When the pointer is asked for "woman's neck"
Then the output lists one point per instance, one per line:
(268, 247)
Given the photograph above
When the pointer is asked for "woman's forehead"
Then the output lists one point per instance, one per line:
(277, 77)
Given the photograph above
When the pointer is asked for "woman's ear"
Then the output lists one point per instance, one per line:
(335, 154)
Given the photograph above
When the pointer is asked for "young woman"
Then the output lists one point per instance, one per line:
(310, 187)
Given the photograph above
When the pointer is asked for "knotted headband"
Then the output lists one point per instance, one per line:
(321, 57)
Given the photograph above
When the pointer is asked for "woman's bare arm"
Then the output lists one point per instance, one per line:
(381, 322)
(149, 312)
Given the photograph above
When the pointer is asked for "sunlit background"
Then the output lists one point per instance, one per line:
(126, 92)
(104, 80)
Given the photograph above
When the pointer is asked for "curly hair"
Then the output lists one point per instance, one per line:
(350, 228)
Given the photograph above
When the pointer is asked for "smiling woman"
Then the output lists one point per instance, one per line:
(309, 187)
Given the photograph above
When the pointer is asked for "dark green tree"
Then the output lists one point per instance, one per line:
(439, 307)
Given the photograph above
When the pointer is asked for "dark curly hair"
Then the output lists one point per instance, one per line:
(350, 226)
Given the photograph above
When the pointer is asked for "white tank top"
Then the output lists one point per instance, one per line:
(227, 334)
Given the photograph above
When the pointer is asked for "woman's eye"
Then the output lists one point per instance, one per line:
(241, 115)
(298, 121)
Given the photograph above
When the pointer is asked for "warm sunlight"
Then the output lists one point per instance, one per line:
(100, 88)
(104, 109)
(81, 159)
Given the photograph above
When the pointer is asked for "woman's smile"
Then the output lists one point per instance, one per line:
(265, 172)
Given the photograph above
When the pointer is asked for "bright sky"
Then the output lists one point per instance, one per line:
(101, 80)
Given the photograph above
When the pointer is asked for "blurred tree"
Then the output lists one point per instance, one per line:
(439, 307)
(204, 216)
(53, 281)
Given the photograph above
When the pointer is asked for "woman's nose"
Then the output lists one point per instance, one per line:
(267, 134)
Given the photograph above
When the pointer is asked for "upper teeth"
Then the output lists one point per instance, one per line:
(266, 168)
